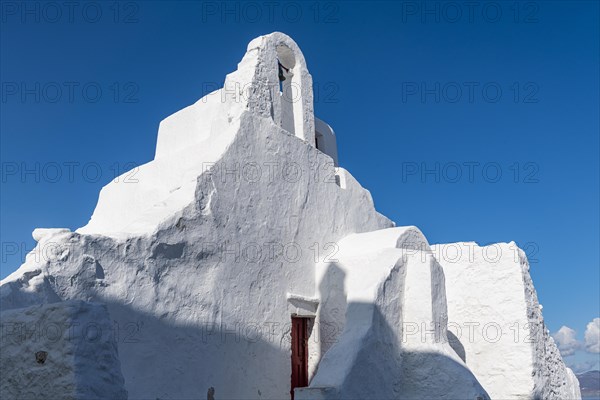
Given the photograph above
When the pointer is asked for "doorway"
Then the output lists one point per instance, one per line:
(299, 353)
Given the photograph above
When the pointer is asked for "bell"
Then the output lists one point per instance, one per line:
(281, 76)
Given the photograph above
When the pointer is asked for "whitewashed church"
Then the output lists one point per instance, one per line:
(245, 263)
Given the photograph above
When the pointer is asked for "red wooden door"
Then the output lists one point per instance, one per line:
(299, 353)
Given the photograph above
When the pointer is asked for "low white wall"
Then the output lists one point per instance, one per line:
(383, 289)
(494, 313)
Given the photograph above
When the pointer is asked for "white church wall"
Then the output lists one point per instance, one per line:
(494, 314)
(60, 350)
(184, 268)
(383, 288)
(238, 224)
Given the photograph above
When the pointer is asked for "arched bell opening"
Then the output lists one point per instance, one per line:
(289, 91)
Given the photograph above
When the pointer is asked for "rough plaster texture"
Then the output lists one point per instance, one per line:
(392, 340)
(80, 360)
(497, 321)
(196, 260)
(239, 223)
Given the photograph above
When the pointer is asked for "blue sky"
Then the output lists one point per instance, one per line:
(476, 121)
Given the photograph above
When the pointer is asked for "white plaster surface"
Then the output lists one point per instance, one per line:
(326, 140)
(494, 313)
(384, 296)
(81, 353)
(239, 223)
(195, 261)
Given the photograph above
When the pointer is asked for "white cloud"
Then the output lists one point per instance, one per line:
(566, 341)
(592, 336)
